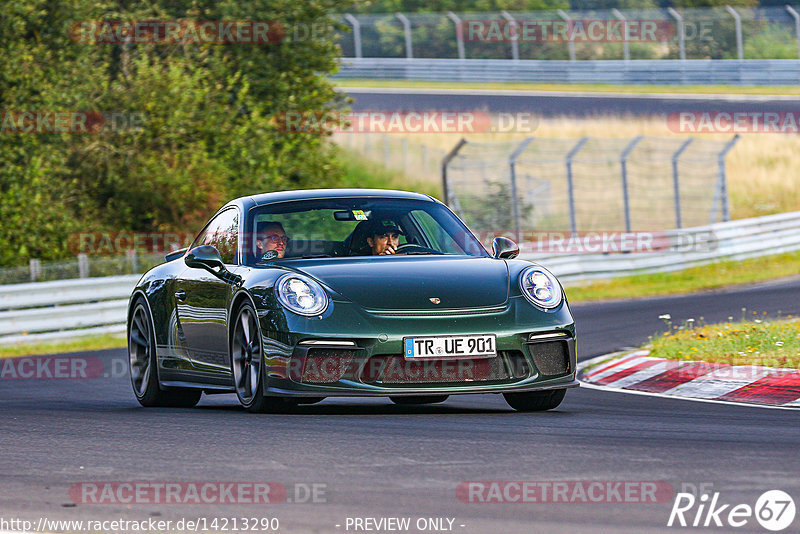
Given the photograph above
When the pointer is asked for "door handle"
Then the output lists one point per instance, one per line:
(180, 295)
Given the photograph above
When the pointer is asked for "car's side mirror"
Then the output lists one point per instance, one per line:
(204, 257)
(505, 249)
(207, 257)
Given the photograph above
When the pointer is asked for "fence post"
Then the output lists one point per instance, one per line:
(515, 39)
(36, 269)
(623, 161)
(570, 44)
(356, 33)
(573, 226)
(796, 16)
(626, 48)
(407, 32)
(445, 162)
(722, 182)
(405, 156)
(512, 164)
(675, 183)
(459, 34)
(738, 20)
(83, 265)
(133, 258)
(681, 32)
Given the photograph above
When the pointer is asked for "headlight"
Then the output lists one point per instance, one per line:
(540, 287)
(301, 295)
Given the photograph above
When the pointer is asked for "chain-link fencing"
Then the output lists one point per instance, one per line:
(588, 184)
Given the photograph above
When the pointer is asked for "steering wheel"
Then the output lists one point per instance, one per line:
(407, 247)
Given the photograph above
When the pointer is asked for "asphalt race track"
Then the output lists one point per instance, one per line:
(553, 104)
(380, 460)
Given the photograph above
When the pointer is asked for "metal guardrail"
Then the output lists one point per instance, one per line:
(732, 240)
(634, 72)
(67, 308)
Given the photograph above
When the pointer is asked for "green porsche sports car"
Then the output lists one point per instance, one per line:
(290, 297)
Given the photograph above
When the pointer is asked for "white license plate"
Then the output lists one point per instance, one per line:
(482, 346)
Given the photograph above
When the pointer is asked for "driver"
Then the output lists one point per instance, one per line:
(271, 241)
(383, 238)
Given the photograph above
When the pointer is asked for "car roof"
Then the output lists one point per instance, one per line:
(309, 194)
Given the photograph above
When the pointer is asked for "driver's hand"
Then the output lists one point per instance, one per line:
(389, 249)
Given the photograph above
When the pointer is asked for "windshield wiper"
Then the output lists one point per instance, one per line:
(309, 256)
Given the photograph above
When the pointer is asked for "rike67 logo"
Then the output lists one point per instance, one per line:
(774, 510)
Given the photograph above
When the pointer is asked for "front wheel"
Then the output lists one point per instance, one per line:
(535, 401)
(419, 399)
(142, 364)
(247, 365)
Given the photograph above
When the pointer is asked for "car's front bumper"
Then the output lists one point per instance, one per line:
(536, 351)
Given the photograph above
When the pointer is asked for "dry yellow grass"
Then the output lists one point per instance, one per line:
(762, 168)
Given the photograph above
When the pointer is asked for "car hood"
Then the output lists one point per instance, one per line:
(411, 282)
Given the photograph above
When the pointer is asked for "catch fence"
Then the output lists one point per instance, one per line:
(722, 32)
(588, 184)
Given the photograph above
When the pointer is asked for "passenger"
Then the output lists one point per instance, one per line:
(271, 241)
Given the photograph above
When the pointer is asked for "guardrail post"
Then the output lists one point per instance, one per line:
(512, 164)
(459, 34)
(570, 44)
(356, 33)
(36, 269)
(675, 183)
(626, 49)
(623, 161)
(573, 225)
(681, 33)
(407, 31)
(738, 20)
(445, 162)
(722, 183)
(515, 39)
(83, 265)
(796, 16)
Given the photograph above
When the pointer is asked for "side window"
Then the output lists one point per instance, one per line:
(223, 233)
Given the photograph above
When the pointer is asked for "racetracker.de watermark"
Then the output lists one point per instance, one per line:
(416, 122)
(57, 367)
(580, 30)
(605, 242)
(558, 491)
(69, 122)
(734, 122)
(112, 243)
(197, 492)
(181, 32)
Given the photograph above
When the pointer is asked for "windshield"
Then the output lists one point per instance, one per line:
(339, 227)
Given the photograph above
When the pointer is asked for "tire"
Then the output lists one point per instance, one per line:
(420, 399)
(143, 366)
(247, 365)
(535, 401)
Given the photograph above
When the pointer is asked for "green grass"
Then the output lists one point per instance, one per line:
(360, 172)
(755, 342)
(705, 277)
(86, 343)
(579, 87)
